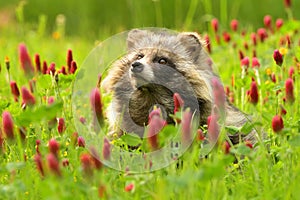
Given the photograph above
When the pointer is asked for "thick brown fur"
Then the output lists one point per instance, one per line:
(187, 71)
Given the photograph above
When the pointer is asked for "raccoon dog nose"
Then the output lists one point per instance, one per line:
(137, 67)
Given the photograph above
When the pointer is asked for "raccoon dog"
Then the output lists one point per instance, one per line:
(157, 65)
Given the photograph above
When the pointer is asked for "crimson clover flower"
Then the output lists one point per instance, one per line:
(287, 3)
(86, 163)
(95, 158)
(178, 102)
(253, 38)
(262, 34)
(200, 135)
(291, 72)
(129, 187)
(39, 164)
(53, 146)
(215, 24)
(277, 123)
(37, 62)
(25, 60)
(61, 127)
(8, 125)
(234, 25)
(45, 67)
(65, 162)
(249, 144)
(279, 23)
(208, 43)
(53, 164)
(213, 128)
(226, 36)
(278, 57)
(218, 95)
(156, 123)
(97, 107)
(245, 62)
(14, 90)
(106, 149)
(186, 128)
(73, 67)
(255, 62)
(289, 90)
(51, 69)
(268, 22)
(80, 141)
(69, 59)
(253, 93)
(27, 97)
(226, 147)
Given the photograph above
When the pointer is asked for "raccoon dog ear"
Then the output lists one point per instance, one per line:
(192, 43)
(133, 38)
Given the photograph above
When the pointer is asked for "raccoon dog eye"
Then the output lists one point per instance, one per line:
(139, 56)
(162, 61)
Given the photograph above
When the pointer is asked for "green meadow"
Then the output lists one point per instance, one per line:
(43, 155)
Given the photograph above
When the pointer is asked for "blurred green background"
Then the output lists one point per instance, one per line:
(96, 19)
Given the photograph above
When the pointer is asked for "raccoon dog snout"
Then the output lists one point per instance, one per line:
(137, 67)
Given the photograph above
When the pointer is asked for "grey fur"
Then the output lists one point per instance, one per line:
(189, 74)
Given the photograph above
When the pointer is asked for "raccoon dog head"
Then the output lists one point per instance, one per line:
(156, 56)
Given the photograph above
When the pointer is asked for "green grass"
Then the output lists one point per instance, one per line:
(120, 15)
(271, 171)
